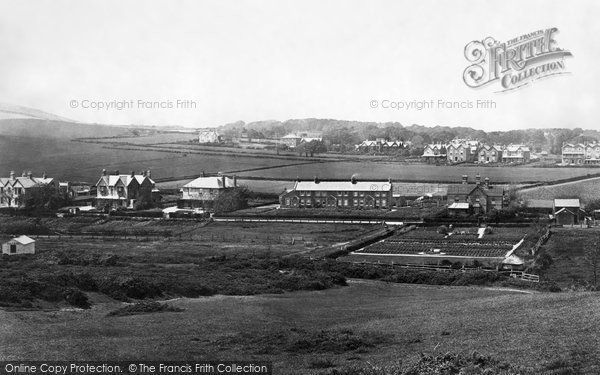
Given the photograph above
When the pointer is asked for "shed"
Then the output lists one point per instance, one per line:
(19, 245)
(568, 212)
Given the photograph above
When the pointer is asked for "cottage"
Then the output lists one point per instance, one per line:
(19, 245)
(203, 191)
(14, 191)
(434, 152)
(481, 197)
(568, 212)
(124, 191)
(338, 194)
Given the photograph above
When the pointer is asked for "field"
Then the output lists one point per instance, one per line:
(420, 172)
(77, 161)
(586, 190)
(365, 324)
(567, 247)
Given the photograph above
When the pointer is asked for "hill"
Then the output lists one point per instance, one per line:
(38, 128)
(16, 111)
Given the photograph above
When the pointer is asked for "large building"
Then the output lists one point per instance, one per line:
(516, 154)
(338, 194)
(14, 191)
(124, 190)
(581, 153)
(461, 150)
(203, 191)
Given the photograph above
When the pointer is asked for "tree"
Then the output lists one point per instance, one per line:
(232, 200)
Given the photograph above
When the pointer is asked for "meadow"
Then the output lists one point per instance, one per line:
(419, 172)
(586, 190)
(365, 325)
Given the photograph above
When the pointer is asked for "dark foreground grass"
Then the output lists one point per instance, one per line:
(144, 308)
(367, 325)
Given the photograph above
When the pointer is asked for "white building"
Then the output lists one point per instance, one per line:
(209, 136)
(19, 245)
(203, 191)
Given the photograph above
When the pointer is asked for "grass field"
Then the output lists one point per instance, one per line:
(567, 247)
(394, 322)
(586, 190)
(420, 172)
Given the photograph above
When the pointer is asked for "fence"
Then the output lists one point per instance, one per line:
(525, 276)
(541, 241)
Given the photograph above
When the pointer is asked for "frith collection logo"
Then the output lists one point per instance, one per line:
(514, 63)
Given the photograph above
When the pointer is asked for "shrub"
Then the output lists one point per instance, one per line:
(77, 298)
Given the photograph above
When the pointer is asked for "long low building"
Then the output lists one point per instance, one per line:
(346, 194)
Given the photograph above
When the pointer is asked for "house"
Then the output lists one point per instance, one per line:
(489, 154)
(209, 136)
(462, 151)
(14, 191)
(338, 194)
(581, 153)
(516, 154)
(434, 152)
(568, 212)
(203, 191)
(291, 140)
(19, 245)
(482, 198)
(124, 190)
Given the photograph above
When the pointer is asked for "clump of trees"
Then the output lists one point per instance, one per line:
(232, 200)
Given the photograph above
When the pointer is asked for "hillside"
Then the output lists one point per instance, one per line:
(37, 128)
(16, 111)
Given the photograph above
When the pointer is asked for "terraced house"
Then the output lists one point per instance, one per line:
(434, 152)
(15, 190)
(338, 194)
(581, 153)
(462, 151)
(124, 190)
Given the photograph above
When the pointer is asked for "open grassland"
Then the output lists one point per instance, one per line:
(569, 248)
(420, 172)
(76, 161)
(586, 190)
(366, 324)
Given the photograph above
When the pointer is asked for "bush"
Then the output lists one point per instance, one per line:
(77, 298)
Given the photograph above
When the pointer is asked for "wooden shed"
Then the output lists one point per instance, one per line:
(19, 245)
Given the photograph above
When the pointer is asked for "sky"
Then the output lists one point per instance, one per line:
(212, 62)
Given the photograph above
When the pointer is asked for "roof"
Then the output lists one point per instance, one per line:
(540, 203)
(342, 186)
(25, 181)
(293, 136)
(126, 179)
(412, 189)
(514, 260)
(210, 183)
(23, 240)
(567, 203)
(459, 206)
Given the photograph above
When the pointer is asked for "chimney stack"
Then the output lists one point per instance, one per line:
(353, 180)
(223, 181)
(465, 179)
(104, 172)
(132, 173)
(317, 180)
(117, 172)
(487, 182)
(234, 181)
(297, 178)
(12, 175)
(148, 173)
(477, 179)
(44, 175)
(24, 174)
(29, 174)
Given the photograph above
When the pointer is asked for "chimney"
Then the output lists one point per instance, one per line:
(477, 179)
(203, 174)
(44, 175)
(390, 180)
(132, 173)
(353, 180)
(29, 174)
(465, 179)
(223, 181)
(297, 178)
(234, 181)
(117, 172)
(12, 175)
(104, 172)
(148, 173)
(24, 174)
(143, 173)
(487, 182)
(317, 180)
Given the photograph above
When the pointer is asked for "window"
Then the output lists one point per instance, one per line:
(287, 201)
(13, 248)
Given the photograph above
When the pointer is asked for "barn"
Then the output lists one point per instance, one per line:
(568, 212)
(19, 245)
